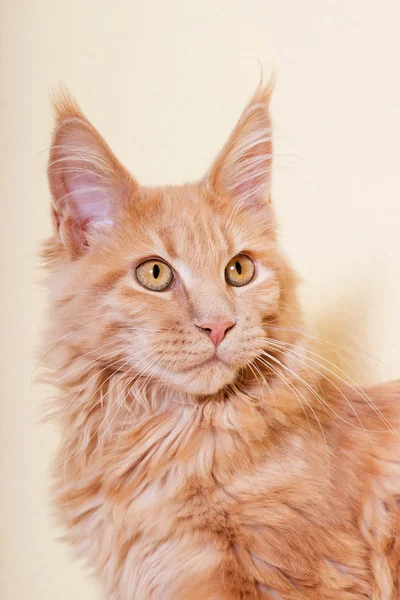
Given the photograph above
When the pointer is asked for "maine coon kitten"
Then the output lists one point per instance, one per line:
(205, 453)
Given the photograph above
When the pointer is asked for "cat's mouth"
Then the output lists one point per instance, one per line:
(214, 360)
(204, 377)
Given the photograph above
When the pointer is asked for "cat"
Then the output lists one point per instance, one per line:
(206, 451)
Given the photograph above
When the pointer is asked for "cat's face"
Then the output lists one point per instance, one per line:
(174, 283)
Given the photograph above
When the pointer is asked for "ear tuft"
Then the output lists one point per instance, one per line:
(242, 170)
(64, 105)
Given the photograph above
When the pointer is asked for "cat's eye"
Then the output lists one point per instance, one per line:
(154, 275)
(239, 270)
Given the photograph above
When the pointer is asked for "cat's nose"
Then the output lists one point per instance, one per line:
(217, 330)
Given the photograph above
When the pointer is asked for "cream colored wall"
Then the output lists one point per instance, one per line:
(164, 82)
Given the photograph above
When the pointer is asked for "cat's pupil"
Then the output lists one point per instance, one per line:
(156, 271)
(238, 267)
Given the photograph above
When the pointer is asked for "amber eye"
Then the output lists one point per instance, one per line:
(154, 275)
(240, 270)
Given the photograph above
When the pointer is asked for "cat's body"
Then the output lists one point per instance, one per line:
(188, 472)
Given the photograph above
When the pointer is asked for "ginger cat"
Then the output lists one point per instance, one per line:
(206, 454)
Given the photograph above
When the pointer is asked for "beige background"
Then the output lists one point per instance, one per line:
(164, 82)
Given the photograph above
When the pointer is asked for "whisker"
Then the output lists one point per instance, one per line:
(58, 342)
(357, 389)
(120, 404)
(96, 374)
(329, 345)
(87, 366)
(308, 367)
(327, 405)
(297, 377)
(289, 385)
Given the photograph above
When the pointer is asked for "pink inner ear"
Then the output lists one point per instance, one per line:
(243, 167)
(83, 177)
(87, 182)
(252, 188)
(89, 200)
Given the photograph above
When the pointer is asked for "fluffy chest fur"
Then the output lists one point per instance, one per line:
(211, 502)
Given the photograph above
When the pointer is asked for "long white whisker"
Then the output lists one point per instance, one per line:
(357, 389)
(88, 366)
(96, 374)
(288, 384)
(304, 357)
(120, 404)
(296, 376)
(330, 345)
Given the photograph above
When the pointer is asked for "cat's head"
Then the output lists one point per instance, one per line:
(176, 284)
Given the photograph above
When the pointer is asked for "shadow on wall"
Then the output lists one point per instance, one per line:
(350, 331)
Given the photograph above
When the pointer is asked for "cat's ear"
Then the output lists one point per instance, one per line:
(242, 170)
(88, 184)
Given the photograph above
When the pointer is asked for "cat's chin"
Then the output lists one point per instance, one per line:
(204, 380)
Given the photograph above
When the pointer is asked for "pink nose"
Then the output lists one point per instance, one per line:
(217, 330)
